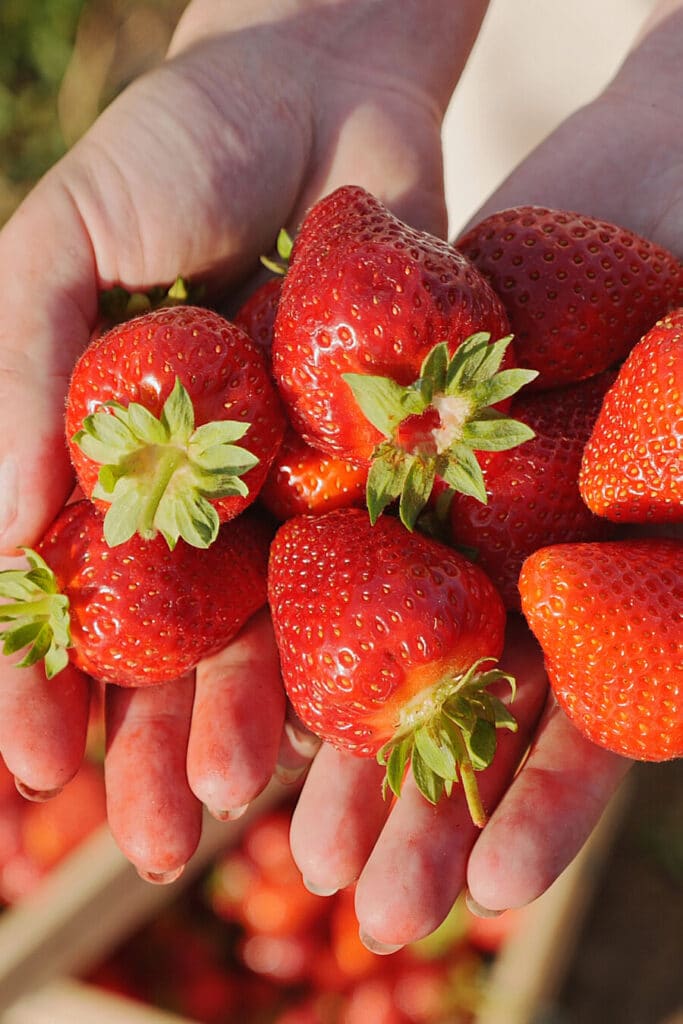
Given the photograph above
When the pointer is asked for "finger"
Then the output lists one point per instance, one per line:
(298, 747)
(153, 815)
(545, 817)
(626, 145)
(237, 721)
(337, 819)
(418, 865)
(43, 726)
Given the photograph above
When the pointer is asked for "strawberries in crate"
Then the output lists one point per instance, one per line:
(44, 833)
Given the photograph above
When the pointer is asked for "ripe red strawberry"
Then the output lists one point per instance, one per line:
(256, 316)
(632, 469)
(301, 478)
(608, 617)
(387, 350)
(387, 639)
(154, 409)
(304, 479)
(578, 291)
(135, 614)
(533, 490)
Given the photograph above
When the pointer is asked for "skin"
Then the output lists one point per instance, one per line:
(376, 125)
(228, 75)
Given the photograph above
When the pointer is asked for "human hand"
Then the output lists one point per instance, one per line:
(617, 159)
(260, 109)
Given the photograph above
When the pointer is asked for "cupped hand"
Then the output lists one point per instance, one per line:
(620, 159)
(258, 111)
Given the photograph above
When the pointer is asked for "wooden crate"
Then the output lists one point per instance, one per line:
(95, 899)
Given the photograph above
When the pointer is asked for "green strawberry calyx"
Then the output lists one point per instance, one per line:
(118, 303)
(39, 614)
(160, 475)
(283, 247)
(447, 736)
(434, 426)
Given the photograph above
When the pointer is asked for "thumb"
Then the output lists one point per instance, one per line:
(48, 307)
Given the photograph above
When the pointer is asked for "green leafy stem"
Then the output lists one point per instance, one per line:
(162, 474)
(448, 736)
(39, 615)
(462, 388)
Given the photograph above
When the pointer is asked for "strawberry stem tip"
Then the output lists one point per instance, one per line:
(160, 474)
(449, 737)
(39, 613)
(283, 247)
(459, 392)
(118, 304)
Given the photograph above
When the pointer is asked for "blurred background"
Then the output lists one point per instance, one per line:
(61, 62)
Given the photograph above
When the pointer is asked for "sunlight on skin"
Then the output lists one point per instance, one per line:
(566, 778)
(233, 749)
(153, 815)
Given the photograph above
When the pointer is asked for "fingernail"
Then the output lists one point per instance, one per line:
(305, 743)
(477, 909)
(232, 814)
(8, 492)
(37, 795)
(381, 948)
(161, 877)
(319, 890)
(288, 776)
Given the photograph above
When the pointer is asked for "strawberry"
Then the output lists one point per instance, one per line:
(304, 479)
(256, 316)
(153, 412)
(387, 350)
(632, 468)
(578, 291)
(301, 478)
(387, 640)
(533, 491)
(608, 617)
(136, 614)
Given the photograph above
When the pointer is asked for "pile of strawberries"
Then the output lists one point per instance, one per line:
(397, 444)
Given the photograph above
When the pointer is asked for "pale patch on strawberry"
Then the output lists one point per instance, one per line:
(454, 412)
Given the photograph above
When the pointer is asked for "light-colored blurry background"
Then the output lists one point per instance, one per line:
(534, 63)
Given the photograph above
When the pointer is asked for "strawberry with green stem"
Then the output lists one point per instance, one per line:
(380, 319)
(135, 614)
(155, 410)
(388, 642)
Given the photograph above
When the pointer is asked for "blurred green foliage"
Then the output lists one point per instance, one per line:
(61, 62)
(36, 41)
